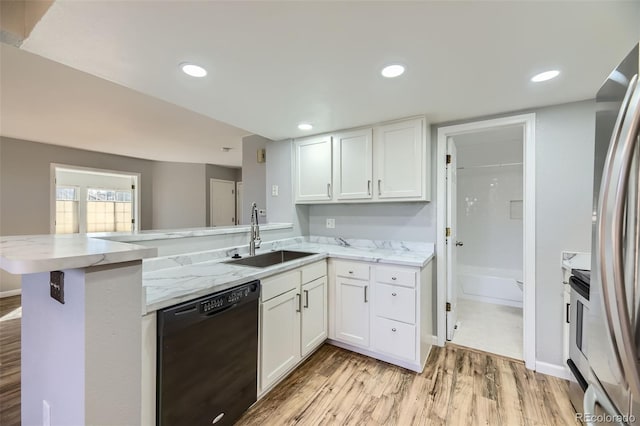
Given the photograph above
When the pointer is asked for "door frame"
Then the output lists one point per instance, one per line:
(529, 262)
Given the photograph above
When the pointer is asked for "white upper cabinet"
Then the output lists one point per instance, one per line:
(313, 169)
(389, 162)
(400, 160)
(353, 158)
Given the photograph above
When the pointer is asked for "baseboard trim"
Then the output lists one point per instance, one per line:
(554, 370)
(434, 340)
(10, 293)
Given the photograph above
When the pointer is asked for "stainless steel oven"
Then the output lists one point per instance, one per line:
(578, 312)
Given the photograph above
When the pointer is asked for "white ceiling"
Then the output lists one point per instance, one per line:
(275, 64)
(44, 101)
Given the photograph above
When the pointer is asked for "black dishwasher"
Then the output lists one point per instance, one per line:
(207, 358)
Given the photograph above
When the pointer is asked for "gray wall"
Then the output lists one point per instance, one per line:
(253, 176)
(178, 195)
(213, 171)
(281, 208)
(25, 182)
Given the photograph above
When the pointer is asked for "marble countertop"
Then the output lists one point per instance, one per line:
(41, 253)
(576, 260)
(167, 234)
(175, 279)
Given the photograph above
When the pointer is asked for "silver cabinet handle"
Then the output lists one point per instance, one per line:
(306, 298)
(393, 329)
(610, 233)
(379, 186)
(393, 278)
(329, 190)
(459, 243)
(369, 187)
(365, 294)
(351, 272)
(393, 294)
(299, 302)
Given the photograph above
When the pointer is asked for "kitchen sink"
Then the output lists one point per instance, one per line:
(269, 259)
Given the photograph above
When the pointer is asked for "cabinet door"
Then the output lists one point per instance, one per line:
(399, 160)
(314, 314)
(353, 165)
(279, 337)
(352, 311)
(313, 169)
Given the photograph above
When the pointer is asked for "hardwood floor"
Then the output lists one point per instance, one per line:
(10, 315)
(458, 387)
(337, 387)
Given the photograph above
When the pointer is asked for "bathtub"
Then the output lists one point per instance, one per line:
(492, 285)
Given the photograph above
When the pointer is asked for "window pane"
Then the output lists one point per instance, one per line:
(67, 217)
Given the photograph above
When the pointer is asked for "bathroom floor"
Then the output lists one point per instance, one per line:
(491, 328)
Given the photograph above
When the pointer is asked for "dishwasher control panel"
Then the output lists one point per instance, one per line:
(228, 298)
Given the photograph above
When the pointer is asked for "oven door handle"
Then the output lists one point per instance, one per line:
(610, 237)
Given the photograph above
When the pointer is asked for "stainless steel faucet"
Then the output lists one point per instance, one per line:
(255, 240)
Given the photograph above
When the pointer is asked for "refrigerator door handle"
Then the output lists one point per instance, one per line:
(611, 233)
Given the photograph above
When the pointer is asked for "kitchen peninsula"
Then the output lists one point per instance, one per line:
(89, 348)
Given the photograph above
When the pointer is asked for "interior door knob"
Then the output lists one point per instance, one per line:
(459, 243)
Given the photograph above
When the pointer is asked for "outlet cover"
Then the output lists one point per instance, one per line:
(331, 223)
(274, 190)
(56, 286)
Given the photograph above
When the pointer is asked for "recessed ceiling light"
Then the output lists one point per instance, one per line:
(391, 71)
(305, 126)
(544, 76)
(193, 70)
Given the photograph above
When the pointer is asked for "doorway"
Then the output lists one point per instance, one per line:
(486, 238)
(223, 202)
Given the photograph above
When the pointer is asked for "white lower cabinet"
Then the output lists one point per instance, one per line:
(352, 311)
(293, 321)
(314, 314)
(383, 311)
(280, 336)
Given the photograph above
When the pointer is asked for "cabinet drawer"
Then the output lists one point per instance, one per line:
(396, 303)
(395, 338)
(396, 276)
(358, 271)
(313, 271)
(279, 284)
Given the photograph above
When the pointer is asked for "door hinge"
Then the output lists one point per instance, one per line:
(133, 187)
(448, 158)
(447, 232)
(133, 221)
(448, 307)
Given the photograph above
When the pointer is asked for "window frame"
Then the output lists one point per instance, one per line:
(54, 167)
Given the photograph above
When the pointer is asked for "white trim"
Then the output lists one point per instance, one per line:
(529, 304)
(9, 293)
(52, 189)
(554, 370)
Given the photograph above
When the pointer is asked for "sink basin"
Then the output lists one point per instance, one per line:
(269, 259)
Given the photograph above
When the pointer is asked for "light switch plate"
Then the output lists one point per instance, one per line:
(331, 223)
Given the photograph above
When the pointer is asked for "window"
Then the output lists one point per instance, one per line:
(92, 201)
(67, 210)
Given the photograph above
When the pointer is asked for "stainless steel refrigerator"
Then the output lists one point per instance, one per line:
(613, 328)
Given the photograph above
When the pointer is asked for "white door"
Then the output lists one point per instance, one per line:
(452, 271)
(223, 202)
(314, 314)
(399, 160)
(353, 161)
(352, 311)
(238, 203)
(313, 169)
(279, 336)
